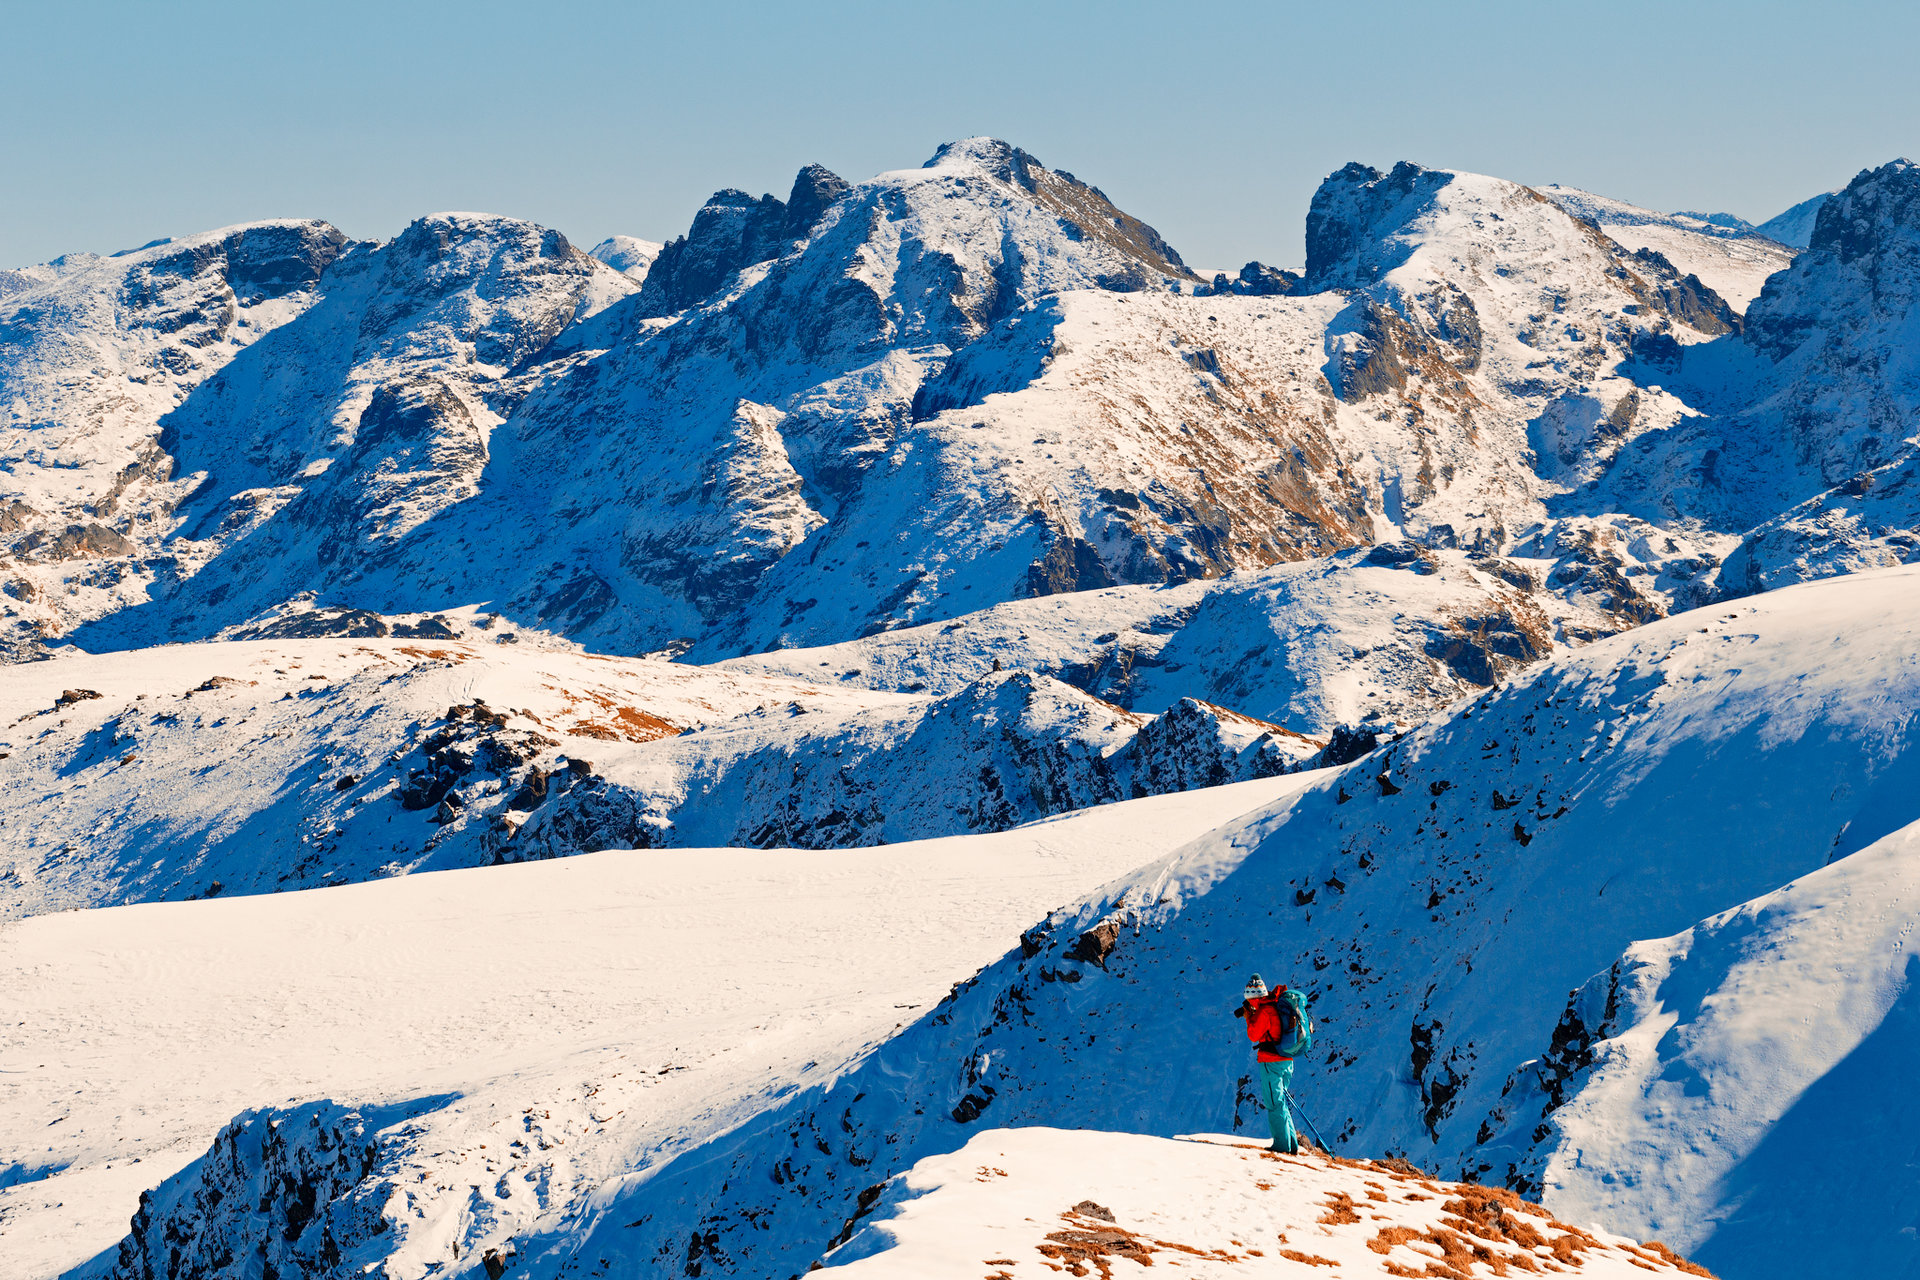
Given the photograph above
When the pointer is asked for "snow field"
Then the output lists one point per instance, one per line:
(701, 978)
(1746, 1093)
(1441, 900)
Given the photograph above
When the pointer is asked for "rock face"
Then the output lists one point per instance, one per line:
(733, 231)
(1810, 445)
(309, 1180)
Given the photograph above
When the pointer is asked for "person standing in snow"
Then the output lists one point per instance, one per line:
(1279, 1028)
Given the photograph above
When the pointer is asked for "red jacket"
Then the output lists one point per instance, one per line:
(1264, 1026)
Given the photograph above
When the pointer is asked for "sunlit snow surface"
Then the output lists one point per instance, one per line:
(645, 1000)
(1732, 264)
(1621, 933)
(1022, 1202)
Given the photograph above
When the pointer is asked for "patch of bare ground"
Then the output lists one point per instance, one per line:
(1091, 1239)
(1340, 1210)
(1310, 1259)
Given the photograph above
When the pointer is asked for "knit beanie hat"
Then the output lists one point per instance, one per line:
(1256, 989)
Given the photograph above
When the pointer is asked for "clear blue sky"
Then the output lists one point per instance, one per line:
(124, 122)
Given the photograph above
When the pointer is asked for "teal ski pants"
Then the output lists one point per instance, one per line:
(1275, 1077)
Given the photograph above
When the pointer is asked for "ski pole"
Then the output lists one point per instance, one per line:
(1295, 1104)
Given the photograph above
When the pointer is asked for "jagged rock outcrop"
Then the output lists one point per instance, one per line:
(1256, 280)
(1196, 744)
(278, 1193)
(733, 230)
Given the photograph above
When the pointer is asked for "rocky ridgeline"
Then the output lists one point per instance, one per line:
(882, 403)
(364, 772)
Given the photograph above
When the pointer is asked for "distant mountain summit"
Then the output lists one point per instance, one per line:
(881, 404)
(1795, 226)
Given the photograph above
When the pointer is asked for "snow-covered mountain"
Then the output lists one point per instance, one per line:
(866, 406)
(1651, 892)
(1332, 623)
(1731, 257)
(1810, 416)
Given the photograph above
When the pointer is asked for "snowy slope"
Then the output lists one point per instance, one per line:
(1741, 1069)
(628, 255)
(1733, 261)
(1440, 918)
(1794, 227)
(1013, 1202)
(250, 767)
(638, 1002)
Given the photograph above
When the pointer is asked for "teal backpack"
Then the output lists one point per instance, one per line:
(1296, 1037)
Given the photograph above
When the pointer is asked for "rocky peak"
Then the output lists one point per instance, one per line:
(815, 188)
(1256, 280)
(1859, 220)
(1354, 211)
(1870, 229)
(734, 230)
(1085, 210)
(273, 259)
